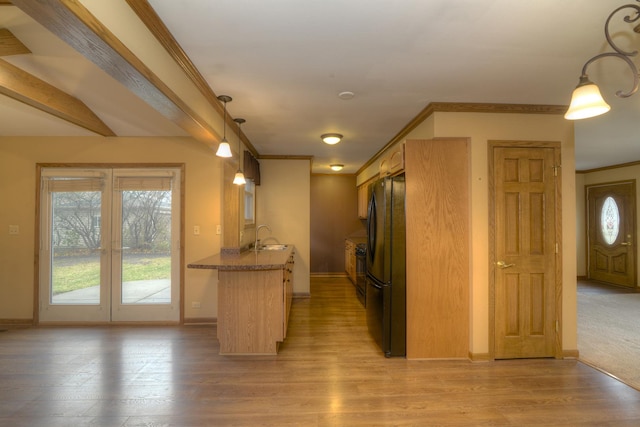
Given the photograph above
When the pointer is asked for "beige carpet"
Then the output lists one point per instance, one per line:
(609, 333)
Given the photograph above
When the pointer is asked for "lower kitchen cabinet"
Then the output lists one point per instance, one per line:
(253, 309)
(350, 260)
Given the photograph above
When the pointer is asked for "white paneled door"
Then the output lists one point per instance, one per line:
(110, 246)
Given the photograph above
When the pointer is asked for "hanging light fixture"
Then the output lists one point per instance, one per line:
(331, 138)
(224, 150)
(239, 178)
(586, 100)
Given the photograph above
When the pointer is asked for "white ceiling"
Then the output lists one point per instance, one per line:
(285, 61)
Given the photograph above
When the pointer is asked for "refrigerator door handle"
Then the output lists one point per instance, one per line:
(371, 232)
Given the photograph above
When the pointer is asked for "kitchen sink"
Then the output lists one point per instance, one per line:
(273, 247)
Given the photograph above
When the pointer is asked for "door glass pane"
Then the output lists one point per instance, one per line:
(146, 247)
(610, 220)
(75, 247)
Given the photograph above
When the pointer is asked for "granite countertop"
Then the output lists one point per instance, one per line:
(247, 260)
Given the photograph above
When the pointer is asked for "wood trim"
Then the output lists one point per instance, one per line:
(605, 168)
(463, 107)
(570, 354)
(188, 321)
(480, 357)
(284, 157)
(74, 24)
(154, 24)
(329, 275)
(10, 44)
(17, 322)
(560, 251)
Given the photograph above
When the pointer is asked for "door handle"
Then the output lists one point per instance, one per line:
(503, 264)
(625, 243)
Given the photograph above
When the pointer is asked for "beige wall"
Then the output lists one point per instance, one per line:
(482, 128)
(599, 177)
(283, 203)
(18, 158)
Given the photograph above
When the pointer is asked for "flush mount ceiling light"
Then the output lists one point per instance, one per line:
(331, 138)
(336, 167)
(586, 100)
(224, 150)
(239, 178)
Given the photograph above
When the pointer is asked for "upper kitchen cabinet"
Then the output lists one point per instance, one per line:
(393, 162)
(363, 197)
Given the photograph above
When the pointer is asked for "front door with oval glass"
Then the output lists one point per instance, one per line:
(611, 233)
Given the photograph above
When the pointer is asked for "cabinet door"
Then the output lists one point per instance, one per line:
(348, 249)
(363, 200)
(288, 291)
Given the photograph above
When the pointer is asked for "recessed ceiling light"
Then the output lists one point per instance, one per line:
(336, 167)
(346, 95)
(331, 138)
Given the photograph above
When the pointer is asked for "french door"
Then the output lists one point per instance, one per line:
(110, 247)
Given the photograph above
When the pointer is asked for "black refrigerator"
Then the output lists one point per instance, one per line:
(385, 279)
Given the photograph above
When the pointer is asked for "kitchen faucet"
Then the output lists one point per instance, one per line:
(256, 244)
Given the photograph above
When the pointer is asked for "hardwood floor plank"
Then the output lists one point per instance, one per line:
(328, 372)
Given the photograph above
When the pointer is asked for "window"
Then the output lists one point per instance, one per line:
(610, 220)
(249, 203)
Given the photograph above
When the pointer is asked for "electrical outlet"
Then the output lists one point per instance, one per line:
(218, 229)
(195, 304)
(14, 229)
(196, 230)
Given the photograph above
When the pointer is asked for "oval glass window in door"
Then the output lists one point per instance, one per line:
(610, 220)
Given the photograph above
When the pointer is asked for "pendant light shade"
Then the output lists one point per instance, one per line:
(224, 150)
(586, 101)
(239, 178)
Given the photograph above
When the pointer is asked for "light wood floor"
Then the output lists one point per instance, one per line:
(328, 373)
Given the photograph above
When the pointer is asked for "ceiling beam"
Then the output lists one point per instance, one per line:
(73, 23)
(10, 45)
(154, 24)
(24, 87)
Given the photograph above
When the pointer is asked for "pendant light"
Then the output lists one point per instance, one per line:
(239, 178)
(586, 100)
(224, 150)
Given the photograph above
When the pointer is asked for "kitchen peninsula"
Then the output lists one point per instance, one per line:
(255, 290)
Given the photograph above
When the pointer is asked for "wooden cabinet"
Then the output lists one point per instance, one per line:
(363, 198)
(350, 260)
(253, 309)
(438, 248)
(287, 278)
(393, 162)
